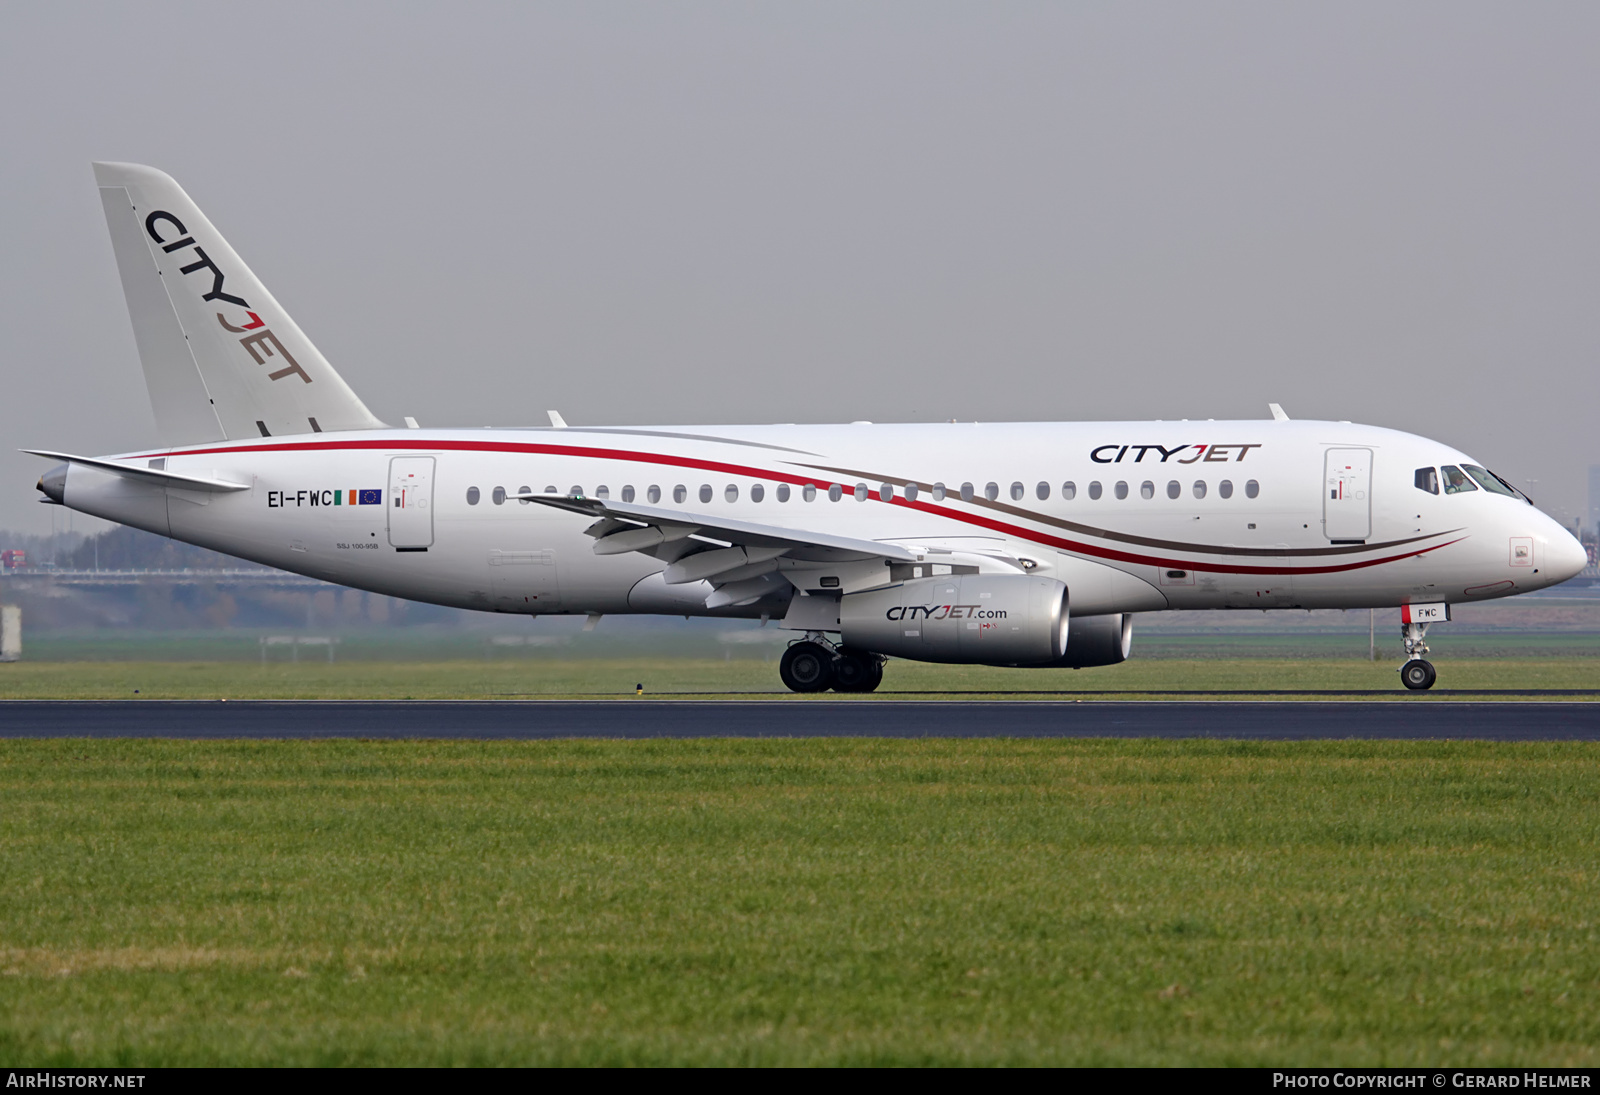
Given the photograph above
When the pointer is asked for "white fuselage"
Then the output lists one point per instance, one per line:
(1159, 515)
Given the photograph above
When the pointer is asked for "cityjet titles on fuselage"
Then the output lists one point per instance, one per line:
(1212, 454)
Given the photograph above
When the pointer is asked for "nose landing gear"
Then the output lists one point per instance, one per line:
(1417, 674)
(816, 665)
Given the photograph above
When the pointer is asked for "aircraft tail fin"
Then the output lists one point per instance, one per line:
(222, 359)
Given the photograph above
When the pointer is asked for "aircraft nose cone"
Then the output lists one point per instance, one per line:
(1567, 556)
(53, 484)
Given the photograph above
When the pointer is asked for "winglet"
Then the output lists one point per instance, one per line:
(1277, 413)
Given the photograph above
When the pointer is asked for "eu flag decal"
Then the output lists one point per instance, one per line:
(371, 498)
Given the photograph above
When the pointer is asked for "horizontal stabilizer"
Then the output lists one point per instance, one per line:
(158, 476)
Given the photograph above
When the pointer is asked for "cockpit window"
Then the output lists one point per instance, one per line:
(1507, 484)
(1489, 482)
(1455, 480)
(1427, 479)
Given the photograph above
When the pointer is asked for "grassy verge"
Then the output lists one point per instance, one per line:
(799, 902)
(553, 677)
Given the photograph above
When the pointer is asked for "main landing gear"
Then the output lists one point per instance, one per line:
(1417, 674)
(816, 665)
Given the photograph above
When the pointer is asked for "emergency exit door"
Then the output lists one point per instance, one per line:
(1347, 494)
(411, 502)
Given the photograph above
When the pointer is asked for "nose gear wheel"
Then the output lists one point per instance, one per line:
(1418, 674)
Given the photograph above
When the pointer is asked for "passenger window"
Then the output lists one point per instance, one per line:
(473, 496)
(783, 492)
(757, 492)
(1069, 490)
(499, 496)
(1488, 481)
(600, 492)
(654, 494)
(860, 492)
(1252, 488)
(1147, 490)
(966, 492)
(835, 492)
(525, 490)
(885, 492)
(627, 492)
(1122, 489)
(991, 491)
(810, 492)
(730, 493)
(1200, 488)
(1225, 488)
(575, 492)
(551, 489)
(1042, 491)
(680, 493)
(1427, 479)
(1094, 490)
(1017, 491)
(938, 492)
(1174, 489)
(911, 492)
(705, 492)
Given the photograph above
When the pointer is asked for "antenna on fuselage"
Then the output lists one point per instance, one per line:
(1277, 413)
(556, 420)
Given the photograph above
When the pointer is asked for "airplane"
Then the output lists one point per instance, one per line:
(1027, 544)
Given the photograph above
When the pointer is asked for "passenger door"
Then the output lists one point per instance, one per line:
(1347, 494)
(411, 503)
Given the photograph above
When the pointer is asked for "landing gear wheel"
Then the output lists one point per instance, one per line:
(807, 667)
(1418, 675)
(856, 673)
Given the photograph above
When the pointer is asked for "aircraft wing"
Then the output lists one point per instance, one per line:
(739, 558)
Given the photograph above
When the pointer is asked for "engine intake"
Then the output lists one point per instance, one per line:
(1001, 619)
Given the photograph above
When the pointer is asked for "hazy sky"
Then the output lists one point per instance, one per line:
(696, 213)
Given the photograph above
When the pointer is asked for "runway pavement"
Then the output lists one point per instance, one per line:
(647, 718)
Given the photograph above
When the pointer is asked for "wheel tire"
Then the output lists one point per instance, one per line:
(807, 667)
(856, 673)
(1418, 675)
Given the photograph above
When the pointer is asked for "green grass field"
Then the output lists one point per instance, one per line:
(786, 902)
(556, 676)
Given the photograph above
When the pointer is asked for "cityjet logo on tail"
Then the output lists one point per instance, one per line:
(262, 344)
(945, 612)
(1210, 454)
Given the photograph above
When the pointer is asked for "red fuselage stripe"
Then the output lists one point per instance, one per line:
(593, 453)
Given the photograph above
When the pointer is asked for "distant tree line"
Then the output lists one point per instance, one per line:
(124, 548)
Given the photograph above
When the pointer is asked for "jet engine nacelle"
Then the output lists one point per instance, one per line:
(1098, 640)
(1000, 619)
